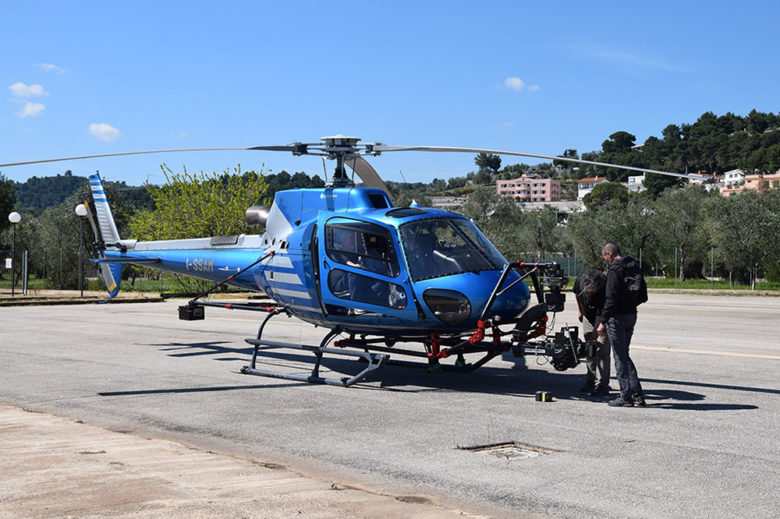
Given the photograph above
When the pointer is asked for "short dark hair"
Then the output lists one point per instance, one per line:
(611, 248)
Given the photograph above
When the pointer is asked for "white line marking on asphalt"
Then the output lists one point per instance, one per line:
(708, 352)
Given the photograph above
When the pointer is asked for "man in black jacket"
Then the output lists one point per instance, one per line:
(625, 290)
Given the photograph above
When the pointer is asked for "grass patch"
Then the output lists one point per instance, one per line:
(704, 284)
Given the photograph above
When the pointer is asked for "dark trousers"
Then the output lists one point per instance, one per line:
(620, 328)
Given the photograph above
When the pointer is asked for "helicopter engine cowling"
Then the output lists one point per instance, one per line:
(257, 215)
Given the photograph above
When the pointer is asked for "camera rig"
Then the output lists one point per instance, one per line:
(564, 348)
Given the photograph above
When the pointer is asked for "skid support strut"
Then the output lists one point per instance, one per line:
(374, 361)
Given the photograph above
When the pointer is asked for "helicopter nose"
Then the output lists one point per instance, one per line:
(449, 306)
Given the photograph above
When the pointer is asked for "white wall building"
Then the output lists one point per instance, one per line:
(734, 178)
(586, 185)
(636, 184)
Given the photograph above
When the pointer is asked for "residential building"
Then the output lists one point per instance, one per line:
(530, 188)
(763, 183)
(586, 185)
(760, 183)
(709, 182)
(733, 178)
(636, 184)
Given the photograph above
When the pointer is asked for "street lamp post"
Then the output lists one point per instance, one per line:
(81, 212)
(14, 218)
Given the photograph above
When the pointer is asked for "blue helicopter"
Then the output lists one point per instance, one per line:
(344, 258)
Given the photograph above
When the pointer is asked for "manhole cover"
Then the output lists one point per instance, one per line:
(509, 450)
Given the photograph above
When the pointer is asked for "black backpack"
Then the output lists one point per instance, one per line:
(634, 287)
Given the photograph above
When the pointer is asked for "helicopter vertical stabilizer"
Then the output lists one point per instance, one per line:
(108, 232)
(111, 273)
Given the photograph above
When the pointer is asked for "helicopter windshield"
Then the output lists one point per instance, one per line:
(444, 246)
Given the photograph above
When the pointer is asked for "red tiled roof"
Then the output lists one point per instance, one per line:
(597, 179)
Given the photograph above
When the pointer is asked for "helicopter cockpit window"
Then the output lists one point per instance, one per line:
(364, 289)
(444, 246)
(361, 245)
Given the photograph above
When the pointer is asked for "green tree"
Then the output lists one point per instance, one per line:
(569, 153)
(541, 234)
(514, 171)
(195, 205)
(456, 182)
(488, 161)
(7, 200)
(625, 224)
(605, 192)
(438, 184)
(619, 142)
(745, 231)
(480, 205)
(657, 184)
(483, 177)
(679, 223)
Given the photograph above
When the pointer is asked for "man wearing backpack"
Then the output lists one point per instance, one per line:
(625, 290)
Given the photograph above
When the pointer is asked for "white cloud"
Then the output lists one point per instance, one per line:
(104, 132)
(514, 83)
(22, 90)
(49, 67)
(508, 124)
(31, 110)
(533, 88)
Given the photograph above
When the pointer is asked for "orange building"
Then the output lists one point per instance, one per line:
(760, 183)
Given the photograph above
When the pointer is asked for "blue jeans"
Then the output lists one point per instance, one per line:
(620, 328)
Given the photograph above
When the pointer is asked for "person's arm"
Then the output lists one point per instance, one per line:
(610, 297)
(599, 303)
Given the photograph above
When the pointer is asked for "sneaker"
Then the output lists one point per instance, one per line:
(589, 387)
(600, 390)
(620, 402)
(639, 400)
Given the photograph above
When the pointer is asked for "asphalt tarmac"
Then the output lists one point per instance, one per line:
(705, 446)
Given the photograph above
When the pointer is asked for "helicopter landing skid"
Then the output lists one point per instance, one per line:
(373, 361)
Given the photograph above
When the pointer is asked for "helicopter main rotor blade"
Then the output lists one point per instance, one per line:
(366, 172)
(120, 154)
(384, 148)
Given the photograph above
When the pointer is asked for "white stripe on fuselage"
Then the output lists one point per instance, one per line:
(282, 277)
(291, 293)
(281, 261)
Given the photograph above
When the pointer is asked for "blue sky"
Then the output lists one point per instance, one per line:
(101, 77)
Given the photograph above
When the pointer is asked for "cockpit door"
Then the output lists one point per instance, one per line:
(360, 268)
